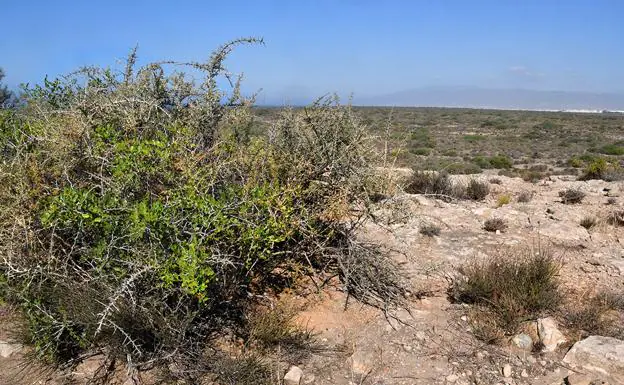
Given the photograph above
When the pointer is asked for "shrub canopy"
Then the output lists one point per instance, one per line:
(140, 213)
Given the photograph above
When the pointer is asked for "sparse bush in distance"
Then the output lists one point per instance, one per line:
(601, 168)
(430, 230)
(517, 285)
(616, 218)
(575, 162)
(6, 96)
(611, 201)
(588, 222)
(495, 224)
(612, 149)
(502, 200)
(424, 151)
(532, 176)
(500, 161)
(538, 168)
(525, 196)
(140, 214)
(571, 196)
(495, 181)
(462, 168)
(430, 182)
(477, 190)
(497, 161)
(474, 138)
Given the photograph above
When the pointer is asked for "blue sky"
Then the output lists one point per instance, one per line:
(363, 47)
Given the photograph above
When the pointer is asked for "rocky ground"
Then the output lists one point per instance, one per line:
(431, 342)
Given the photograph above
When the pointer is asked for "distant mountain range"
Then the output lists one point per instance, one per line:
(475, 97)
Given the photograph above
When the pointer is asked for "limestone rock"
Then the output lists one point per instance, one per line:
(549, 334)
(579, 379)
(523, 341)
(507, 370)
(600, 356)
(8, 349)
(293, 377)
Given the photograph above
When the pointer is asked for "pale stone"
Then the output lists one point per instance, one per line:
(7, 349)
(549, 334)
(293, 377)
(600, 356)
(579, 379)
(507, 370)
(523, 341)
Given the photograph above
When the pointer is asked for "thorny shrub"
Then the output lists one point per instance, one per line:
(139, 216)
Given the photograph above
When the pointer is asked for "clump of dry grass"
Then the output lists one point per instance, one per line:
(432, 183)
(276, 330)
(495, 224)
(508, 288)
(439, 185)
(525, 196)
(599, 314)
(503, 199)
(616, 218)
(430, 230)
(477, 190)
(588, 222)
(571, 196)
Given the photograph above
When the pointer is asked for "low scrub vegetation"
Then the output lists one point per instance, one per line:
(477, 190)
(497, 161)
(430, 182)
(440, 185)
(616, 148)
(616, 218)
(571, 196)
(502, 200)
(588, 222)
(495, 224)
(601, 168)
(599, 314)
(140, 214)
(507, 289)
(525, 196)
(430, 230)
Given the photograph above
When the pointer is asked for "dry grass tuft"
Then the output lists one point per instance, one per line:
(588, 222)
(513, 287)
(495, 224)
(477, 190)
(525, 196)
(430, 230)
(571, 196)
(616, 218)
(600, 314)
(502, 200)
(432, 183)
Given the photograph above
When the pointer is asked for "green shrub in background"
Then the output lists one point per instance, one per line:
(601, 168)
(497, 161)
(140, 216)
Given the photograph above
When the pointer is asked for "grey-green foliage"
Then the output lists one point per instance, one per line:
(6, 96)
(137, 215)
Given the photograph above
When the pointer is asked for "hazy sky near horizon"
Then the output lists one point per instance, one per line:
(365, 47)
